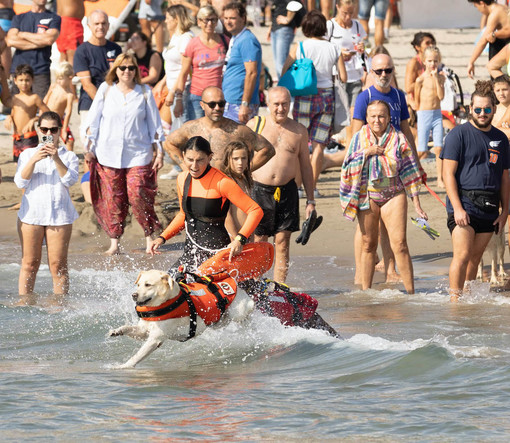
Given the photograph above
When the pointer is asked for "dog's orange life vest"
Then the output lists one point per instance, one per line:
(208, 298)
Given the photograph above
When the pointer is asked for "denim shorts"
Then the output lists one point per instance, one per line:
(365, 6)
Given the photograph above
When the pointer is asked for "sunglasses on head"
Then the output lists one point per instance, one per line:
(45, 130)
(129, 68)
(487, 110)
(380, 71)
(212, 105)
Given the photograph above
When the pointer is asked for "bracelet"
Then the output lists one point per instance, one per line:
(311, 202)
(241, 239)
(162, 238)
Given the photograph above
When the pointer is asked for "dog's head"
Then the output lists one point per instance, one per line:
(154, 288)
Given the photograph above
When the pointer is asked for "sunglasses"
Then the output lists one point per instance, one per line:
(380, 71)
(209, 20)
(487, 110)
(212, 105)
(130, 68)
(45, 130)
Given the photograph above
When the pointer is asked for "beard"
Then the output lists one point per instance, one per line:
(483, 125)
(383, 83)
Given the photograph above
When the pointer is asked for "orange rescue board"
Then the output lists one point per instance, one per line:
(255, 260)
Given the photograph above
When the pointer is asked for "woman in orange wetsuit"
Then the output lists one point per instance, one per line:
(205, 194)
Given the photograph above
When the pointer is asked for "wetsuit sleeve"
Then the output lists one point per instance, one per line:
(231, 190)
(177, 224)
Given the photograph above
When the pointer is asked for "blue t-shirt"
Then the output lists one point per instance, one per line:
(245, 48)
(482, 157)
(35, 22)
(96, 60)
(395, 99)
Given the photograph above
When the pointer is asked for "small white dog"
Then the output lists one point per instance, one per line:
(496, 249)
(155, 291)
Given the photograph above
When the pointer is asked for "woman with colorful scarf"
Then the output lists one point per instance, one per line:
(378, 168)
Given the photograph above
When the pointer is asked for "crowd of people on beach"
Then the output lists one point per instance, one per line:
(193, 99)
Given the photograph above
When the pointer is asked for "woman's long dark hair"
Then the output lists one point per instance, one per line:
(230, 148)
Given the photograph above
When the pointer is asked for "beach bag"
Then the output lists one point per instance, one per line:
(342, 108)
(301, 78)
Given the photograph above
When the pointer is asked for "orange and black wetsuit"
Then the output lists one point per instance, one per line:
(205, 202)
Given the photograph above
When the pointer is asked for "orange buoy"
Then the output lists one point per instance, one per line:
(255, 260)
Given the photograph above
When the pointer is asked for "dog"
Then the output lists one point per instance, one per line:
(496, 248)
(157, 293)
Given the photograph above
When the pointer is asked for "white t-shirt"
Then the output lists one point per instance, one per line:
(324, 56)
(172, 56)
(46, 201)
(346, 39)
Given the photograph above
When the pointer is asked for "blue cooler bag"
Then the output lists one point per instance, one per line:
(301, 78)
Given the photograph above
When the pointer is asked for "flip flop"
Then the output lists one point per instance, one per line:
(424, 226)
(309, 225)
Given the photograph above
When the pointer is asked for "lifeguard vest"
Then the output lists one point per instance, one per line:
(209, 296)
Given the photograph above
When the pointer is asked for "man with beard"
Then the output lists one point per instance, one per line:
(383, 69)
(475, 171)
(219, 131)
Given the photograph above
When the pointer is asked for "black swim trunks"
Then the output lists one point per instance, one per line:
(281, 209)
(480, 225)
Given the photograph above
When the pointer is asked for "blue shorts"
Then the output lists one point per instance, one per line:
(232, 111)
(151, 12)
(365, 6)
(427, 121)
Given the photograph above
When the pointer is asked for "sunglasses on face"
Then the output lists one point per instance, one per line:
(130, 68)
(209, 20)
(380, 71)
(212, 105)
(45, 130)
(487, 110)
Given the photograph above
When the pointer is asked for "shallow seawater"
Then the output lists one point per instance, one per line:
(409, 367)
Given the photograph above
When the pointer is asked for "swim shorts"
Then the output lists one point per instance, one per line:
(281, 208)
(6, 15)
(480, 225)
(22, 142)
(151, 12)
(71, 34)
(427, 121)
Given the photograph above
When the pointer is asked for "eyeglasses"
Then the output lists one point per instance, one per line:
(212, 105)
(209, 20)
(487, 110)
(45, 130)
(380, 71)
(130, 68)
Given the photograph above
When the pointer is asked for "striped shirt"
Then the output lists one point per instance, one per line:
(46, 200)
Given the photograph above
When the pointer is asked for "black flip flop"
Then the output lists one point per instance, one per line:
(309, 225)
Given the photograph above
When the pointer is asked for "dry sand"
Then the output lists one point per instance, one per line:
(335, 236)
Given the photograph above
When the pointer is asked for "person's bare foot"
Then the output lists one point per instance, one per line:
(393, 277)
(14, 207)
(112, 251)
(379, 267)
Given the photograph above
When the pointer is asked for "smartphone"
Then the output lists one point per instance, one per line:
(47, 138)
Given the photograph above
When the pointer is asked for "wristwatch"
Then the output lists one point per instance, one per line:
(245, 103)
(310, 202)
(241, 239)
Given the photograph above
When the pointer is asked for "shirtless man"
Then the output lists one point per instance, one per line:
(502, 115)
(219, 131)
(274, 188)
(497, 31)
(71, 31)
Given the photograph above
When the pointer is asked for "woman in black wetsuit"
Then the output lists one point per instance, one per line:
(205, 194)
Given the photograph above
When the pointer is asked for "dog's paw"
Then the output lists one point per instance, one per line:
(115, 332)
